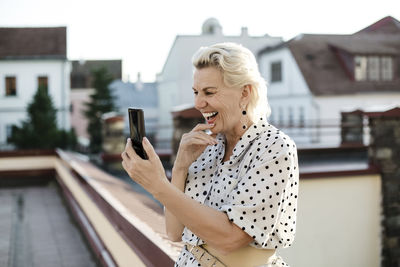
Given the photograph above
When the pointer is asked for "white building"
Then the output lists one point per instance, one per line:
(313, 78)
(137, 95)
(29, 57)
(175, 80)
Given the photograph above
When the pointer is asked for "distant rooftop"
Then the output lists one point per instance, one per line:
(326, 60)
(33, 43)
(81, 76)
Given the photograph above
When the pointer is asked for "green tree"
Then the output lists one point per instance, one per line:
(101, 102)
(40, 130)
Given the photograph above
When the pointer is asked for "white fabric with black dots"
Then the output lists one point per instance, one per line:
(257, 187)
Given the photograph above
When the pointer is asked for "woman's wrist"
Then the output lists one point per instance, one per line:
(158, 194)
(179, 175)
(179, 169)
(180, 165)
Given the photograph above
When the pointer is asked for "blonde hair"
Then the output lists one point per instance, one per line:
(239, 68)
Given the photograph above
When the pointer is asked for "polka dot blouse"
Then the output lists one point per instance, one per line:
(257, 187)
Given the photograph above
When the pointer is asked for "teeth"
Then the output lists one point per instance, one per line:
(206, 115)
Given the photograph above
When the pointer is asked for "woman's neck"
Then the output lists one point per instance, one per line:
(233, 138)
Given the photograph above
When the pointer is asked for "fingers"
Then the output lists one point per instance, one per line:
(148, 148)
(202, 127)
(124, 165)
(202, 141)
(125, 156)
(125, 159)
(209, 138)
(129, 150)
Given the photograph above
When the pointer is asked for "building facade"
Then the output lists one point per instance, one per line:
(81, 89)
(30, 57)
(313, 78)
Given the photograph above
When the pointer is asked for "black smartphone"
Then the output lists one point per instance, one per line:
(136, 127)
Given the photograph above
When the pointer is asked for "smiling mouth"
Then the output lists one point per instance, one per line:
(210, 115)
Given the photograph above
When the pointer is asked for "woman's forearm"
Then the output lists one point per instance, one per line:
(210, 225)
(173, 226)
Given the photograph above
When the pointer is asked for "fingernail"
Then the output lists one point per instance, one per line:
(128, 140)
(145, 139)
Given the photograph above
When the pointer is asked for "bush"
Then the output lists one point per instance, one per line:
(40, 130)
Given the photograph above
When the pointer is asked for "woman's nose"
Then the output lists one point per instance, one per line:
(199, 102)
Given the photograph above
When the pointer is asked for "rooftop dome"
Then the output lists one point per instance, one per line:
(211, 26)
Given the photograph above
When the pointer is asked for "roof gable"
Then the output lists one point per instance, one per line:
(387, 25)
(326, 61)
(33, 43)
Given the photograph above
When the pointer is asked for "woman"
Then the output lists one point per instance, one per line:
(233, 194)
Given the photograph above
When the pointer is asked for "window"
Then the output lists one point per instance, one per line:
(387, 68)
(43, 82)
(373, 68)
(360, 71)
(276, 71)
(11, 87)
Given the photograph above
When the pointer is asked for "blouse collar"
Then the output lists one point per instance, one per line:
(248, 137)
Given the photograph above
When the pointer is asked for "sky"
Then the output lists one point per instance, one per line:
(141, 33)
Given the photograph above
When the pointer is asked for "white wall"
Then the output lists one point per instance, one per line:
(167, 96)
(338, 223)
(332, 106)
(292, 82)
(13, 108)
(290, 93)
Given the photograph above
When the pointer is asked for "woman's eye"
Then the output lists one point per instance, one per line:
(196, 93)
(209, 93)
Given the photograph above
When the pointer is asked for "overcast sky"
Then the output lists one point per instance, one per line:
(141, 33)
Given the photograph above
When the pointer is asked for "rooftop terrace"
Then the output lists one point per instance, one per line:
(36, 229)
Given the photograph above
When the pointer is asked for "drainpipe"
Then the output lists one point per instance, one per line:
(318, 117)
(62, 107)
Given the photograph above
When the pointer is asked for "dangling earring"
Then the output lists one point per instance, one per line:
(244, 117)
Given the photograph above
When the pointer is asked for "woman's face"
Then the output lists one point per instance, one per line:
(218, 103)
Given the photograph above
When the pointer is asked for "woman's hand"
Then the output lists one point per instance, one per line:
(192, 145)
(149, 173)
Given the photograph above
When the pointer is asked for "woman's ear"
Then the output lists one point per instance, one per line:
(246, 93)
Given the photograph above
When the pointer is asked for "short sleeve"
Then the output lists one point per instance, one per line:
(263, 204)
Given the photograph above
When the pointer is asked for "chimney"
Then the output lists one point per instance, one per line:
(352, 127)
(139, 84)
(244, 32)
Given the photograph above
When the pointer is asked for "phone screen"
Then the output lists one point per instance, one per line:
(137, 130)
